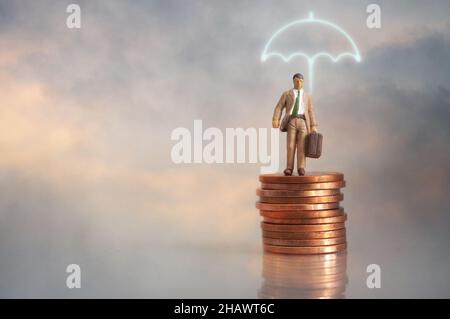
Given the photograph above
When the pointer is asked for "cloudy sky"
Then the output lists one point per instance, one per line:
(85, 123)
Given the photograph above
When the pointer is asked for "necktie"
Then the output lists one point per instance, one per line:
(297, 102)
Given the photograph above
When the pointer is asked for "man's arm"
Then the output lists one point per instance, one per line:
(312, 116)
(278, 110)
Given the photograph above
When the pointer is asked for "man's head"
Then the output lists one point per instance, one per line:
(298, 81)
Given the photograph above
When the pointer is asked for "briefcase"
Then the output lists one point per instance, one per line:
(313, 145)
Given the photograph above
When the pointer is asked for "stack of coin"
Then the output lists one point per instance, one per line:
(302, 214)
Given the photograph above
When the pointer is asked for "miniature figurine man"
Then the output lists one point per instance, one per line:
(298, 121)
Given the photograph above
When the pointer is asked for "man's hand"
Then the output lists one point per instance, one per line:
(275, 123)
(314, 129)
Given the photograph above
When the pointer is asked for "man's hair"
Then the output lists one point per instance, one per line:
(298, 75)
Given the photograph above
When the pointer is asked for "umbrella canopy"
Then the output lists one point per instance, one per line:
(312, 39)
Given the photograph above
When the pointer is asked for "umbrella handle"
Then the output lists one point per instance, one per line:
(310, 73)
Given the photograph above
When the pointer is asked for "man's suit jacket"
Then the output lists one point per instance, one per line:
(287, 101)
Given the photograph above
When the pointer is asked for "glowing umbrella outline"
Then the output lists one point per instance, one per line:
(311, 60)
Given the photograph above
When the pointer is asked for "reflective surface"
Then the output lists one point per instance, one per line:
(304, 277)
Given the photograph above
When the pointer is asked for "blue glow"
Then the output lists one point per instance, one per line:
(311, 59)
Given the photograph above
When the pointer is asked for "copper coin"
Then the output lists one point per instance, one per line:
(317, 261)
(305, 193)
(304, 186)
(306, 221)
(301, 228)
(304, 235)
(305, 250)
(304, 242)
(309, 177)
(296, 207)
(302, 200)
(320, 261)
(302, 213)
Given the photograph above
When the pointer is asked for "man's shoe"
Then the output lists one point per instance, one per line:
(301, 171)
(287, 172)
